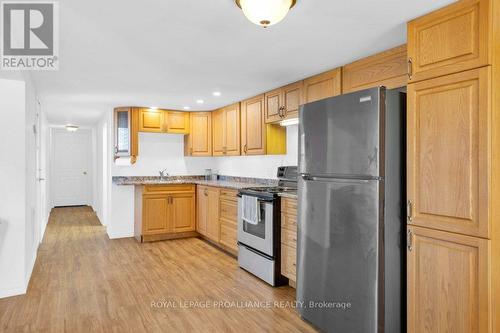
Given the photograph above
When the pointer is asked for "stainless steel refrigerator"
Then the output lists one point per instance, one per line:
(351, 217)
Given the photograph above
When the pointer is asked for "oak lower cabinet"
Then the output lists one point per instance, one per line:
(289, 239)
(164, 212)
(199, 140)
(452, 39)
(228, 220)
(257, 137)
(448, 282)
(322, 86)
(208, 223)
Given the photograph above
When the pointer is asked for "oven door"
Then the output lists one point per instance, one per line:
(257, 236)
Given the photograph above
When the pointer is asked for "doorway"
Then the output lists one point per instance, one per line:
(72, 165)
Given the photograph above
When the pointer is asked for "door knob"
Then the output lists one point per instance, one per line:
(85, 172)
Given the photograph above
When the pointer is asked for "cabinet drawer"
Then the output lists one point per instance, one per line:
(289, 262)
(289, 237)
(230, 195)
(168, 188)
(228, 236)
(289, 222)
(228, 210)
(289, 206)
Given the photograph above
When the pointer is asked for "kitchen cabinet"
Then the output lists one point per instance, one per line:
(448, 282)
(126, 133)
(322, 86)
(289, 239)
(226, 131)
(208, 212)
(228, 217)
(199, 140)
(151, 120)
(283, 103)
(447, 157)
(257, 137)
(176, 122)
(164, 212)
(388, 68)
(450, 40)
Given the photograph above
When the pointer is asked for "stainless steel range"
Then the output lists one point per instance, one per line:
(259, 237)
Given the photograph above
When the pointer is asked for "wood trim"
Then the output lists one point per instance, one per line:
(388, 68)
(168, 236)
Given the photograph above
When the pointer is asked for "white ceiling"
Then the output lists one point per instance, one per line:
(169, 53)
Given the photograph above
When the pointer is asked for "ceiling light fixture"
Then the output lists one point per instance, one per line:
(216, 93)
(200, 101)
(265, 12)
(71, 128)
(186, 107)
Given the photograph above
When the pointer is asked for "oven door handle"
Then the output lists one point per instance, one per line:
(256, 252)
(239, 195)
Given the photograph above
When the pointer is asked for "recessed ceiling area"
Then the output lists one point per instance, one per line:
(173, 53)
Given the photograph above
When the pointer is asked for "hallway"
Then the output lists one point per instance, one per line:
(85, 282)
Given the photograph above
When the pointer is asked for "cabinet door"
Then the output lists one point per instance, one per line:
(151, 120)
(213, 228)
(176, 122)
(273, 105)
(447, 152)
(322, 86)
(232, 122)
(182, 212)
(449, 40)
(448, 282)
(292, 95)
(155, 214)
(199, 140)
(253, 131)
(388, 68)
(202, 210)
(218, 132)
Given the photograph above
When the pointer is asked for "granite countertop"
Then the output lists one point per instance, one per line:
(223, 181)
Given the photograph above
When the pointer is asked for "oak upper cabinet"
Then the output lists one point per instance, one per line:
(447, 152)
(283, 103)
(199, 140)
(151, 120)
(126, 133)
(448, 282)
(176, 122)
(208, 212)
(388, 68)
(226, 131)
(450, 40)
(322, 86)
(253, 130)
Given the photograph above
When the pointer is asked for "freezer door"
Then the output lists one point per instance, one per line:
(338, 254)
(343, 135)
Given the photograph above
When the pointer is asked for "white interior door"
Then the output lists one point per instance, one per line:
(72, 165)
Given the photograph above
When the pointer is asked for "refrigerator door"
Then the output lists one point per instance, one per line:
(343, 135)
(337, 254)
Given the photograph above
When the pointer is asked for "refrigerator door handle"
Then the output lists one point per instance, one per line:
(305, 176)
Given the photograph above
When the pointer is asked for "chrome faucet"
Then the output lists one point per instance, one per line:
(163, 174)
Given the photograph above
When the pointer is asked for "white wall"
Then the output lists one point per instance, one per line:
(166, 151)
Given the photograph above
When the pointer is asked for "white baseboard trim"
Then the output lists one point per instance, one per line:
(13, 291)
(116, 235)
(30, 268)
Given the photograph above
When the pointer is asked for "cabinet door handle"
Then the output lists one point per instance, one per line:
(409, 240)
(190, 151)
(409, 211)
(410, 68)
(245, 148)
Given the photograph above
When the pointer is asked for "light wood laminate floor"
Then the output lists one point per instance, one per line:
(85, 282)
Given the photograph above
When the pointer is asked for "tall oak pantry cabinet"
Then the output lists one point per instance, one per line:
(453, 240)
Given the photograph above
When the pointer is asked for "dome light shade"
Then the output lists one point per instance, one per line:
(265, 12)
